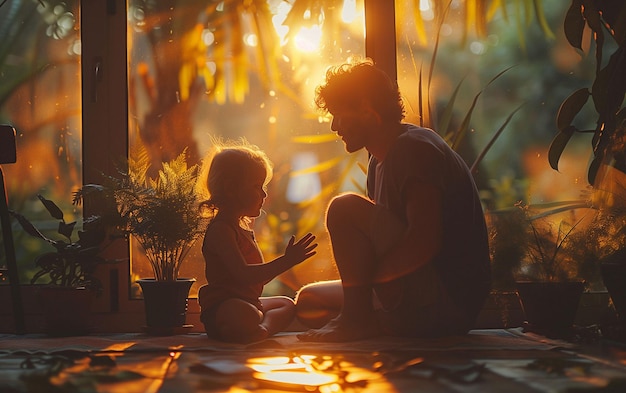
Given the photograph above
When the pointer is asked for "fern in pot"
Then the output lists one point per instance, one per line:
(162, 214)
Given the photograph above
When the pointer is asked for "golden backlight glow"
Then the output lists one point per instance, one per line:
(315, 373)
(308, 38)
(301, 372)
(297, 371)
(348, 12)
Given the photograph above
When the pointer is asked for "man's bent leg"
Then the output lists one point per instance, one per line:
(348, 221)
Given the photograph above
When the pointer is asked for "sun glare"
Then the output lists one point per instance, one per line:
(308, 39)
(348, 13)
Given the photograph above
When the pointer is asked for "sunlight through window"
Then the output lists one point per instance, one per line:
(308, 39)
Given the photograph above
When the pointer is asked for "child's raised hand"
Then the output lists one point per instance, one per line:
(301, 250)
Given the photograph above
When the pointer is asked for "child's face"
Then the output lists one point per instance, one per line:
(252, 192)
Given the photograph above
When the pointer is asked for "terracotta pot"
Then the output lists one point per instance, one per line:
(550, 307)
(165, 302)
(66, 311)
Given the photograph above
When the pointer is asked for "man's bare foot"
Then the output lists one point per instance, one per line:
(342, 329)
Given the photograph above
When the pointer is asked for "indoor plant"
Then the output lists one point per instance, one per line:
(606, 236)
(162, 214)
(607, 92)
(67, 297)
(608, 165)
(548, 283)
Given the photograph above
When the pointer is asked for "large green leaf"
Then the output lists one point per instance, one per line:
(52, 208)
(558, 145)
(593, 169)
(592, 16)
(574, 24)
(570, 108)
(610, 85)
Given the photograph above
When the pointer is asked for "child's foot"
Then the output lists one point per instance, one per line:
(342, 329)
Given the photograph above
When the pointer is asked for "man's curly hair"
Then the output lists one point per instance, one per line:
(348, 84)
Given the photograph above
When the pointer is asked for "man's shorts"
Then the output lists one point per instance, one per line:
(385, 229)
(416, 304)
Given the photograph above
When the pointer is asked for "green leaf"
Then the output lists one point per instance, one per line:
(610, 85)
(570, 108)
(574, 25)
(592, 16)
(28, 227)
(446, 116)
(468, 116)
(593, 169)
(66, 229)
(482, 154)
(52, 208)
(621, 115)
(558, 145)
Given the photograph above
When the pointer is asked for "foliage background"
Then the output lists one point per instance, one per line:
(185, 88)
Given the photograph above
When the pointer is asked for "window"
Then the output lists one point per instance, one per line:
(83, 82)
(231, 70)
(40, 89)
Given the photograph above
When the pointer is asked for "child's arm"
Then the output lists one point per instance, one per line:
(222, 241)
(295, 253)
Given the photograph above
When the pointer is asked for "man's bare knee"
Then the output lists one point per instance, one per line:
(346, 209)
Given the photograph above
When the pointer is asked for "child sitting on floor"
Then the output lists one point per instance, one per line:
(232, 308)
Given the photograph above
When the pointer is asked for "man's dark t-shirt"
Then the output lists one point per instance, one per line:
(420, 155)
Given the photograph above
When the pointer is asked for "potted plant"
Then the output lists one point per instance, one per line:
(162, 214)
(606, 236)
(548, 283)
(608, 165)
(603, 18)
(66, 299)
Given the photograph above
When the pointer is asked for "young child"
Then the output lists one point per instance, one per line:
(232, 308)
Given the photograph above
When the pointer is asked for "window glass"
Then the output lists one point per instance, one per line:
(200, 70)
(40, 97)
(456, 55)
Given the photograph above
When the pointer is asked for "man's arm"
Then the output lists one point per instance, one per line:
(423, 237)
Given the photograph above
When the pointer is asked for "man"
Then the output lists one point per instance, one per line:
(413, 257)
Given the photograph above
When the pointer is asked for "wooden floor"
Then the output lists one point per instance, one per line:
(490, 360)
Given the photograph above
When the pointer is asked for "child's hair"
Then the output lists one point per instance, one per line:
(224, 165)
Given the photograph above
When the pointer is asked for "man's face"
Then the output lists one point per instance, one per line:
(351, 127)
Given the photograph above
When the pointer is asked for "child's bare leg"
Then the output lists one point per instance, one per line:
(318, 303)
(348, 220)
(279, 312)
(239, 321)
